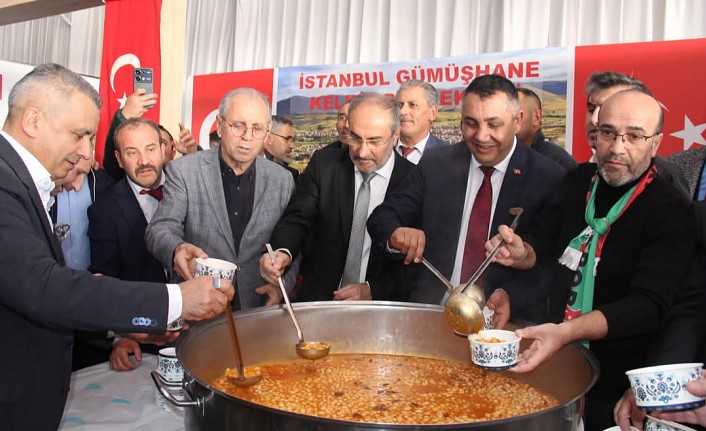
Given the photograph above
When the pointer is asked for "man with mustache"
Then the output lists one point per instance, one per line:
(621, 239)
(117, 221)
(334, 195)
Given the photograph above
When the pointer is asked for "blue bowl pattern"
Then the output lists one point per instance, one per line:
(660, 390)
(495, 356)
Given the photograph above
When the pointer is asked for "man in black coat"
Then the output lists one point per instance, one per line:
(321, 214)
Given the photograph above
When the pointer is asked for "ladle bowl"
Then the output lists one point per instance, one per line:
(306, 349)
(251, 376)
(463, 310)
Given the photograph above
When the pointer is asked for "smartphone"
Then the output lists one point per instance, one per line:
(142, 78)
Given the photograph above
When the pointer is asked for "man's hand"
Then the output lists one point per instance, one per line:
(410, 242)
(696, 416)
(274, 294)
(514, 253)
(186, 144)
(626, 410)
(202, 301)
(358, 291)
(184, 262)
(499, 302)
(137, 103)
(269, 271)
(120, 355)
(548, 339)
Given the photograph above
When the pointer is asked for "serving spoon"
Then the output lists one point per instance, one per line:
(306, 349)
(464, 307)
(248, 377)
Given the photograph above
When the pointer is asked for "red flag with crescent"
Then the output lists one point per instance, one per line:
(130, 39)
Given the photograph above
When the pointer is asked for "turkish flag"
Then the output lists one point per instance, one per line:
(130, 40)
(671, 71)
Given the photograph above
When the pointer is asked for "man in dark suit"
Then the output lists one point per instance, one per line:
(52, 118)
(279, 143)
(117, 222)
(431, 213)
(338, 262)
(419, 104)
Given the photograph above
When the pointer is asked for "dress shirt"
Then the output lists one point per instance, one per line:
(378, 188)
(475, 178)
(71, 207)
(40, 175)
(148, 203)
(239, 192)
(415, 155)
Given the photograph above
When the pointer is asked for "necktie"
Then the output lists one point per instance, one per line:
(406, 151)
(351, 272)
(477, 235)
(157, 193)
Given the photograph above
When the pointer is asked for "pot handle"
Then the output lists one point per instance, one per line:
(162, 384)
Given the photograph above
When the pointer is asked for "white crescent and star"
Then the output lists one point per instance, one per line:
(123, 60)
(691, 133)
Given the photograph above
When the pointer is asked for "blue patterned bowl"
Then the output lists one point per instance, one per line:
(663, 387)
(494, 356)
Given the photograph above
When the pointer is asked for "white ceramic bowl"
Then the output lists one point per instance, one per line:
(654, 424)
(494, 356)
(617, 428)
(663, 387)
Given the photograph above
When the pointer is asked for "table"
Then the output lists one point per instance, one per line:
(102, 399)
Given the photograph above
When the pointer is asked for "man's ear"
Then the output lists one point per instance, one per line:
(120, 161)
(31, 121)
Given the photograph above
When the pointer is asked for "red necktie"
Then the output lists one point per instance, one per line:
(477, 235)
(406, 151)
(157, 193)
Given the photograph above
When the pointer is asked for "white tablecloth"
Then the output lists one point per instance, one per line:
(101, 399)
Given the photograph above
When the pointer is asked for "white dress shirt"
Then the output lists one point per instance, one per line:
(148, 203)
(378, 187)
(415, 155)
(475, 179)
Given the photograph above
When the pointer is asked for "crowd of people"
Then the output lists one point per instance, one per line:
(610, 253)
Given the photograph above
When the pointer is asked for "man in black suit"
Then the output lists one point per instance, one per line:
(431, 212)
(279, 143)
(117, 222)
(338, 262)
(419, 105)
(52, 118)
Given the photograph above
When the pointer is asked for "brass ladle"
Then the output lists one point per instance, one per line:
(464, 307)
(306, 349)
(244, 377)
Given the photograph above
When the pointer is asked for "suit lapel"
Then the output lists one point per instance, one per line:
(345, 184)
(211, 173)
(13, 159)
(128, 203)
(513, 187)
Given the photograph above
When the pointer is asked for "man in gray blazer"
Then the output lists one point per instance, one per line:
(223, 203)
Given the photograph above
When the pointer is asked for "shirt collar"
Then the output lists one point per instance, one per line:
(419, 145)
(40, 175)
(136, 188)
(386, 170)
(504, 163)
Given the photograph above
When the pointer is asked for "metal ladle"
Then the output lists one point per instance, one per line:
(306, 349)
(243, 378)
(464, 307)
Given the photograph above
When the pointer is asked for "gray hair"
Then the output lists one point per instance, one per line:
(279, 121)
(430, 93)
(602, 80)
(243, 91)
(383, 102)
(53, 78)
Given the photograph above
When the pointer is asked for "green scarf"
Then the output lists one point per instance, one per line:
(584, 252)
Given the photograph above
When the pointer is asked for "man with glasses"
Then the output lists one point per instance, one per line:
(460, 193)
(279, 143)
(623, 239)
(223, 203)
(325, 220)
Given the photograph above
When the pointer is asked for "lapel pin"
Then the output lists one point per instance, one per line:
(517, 172)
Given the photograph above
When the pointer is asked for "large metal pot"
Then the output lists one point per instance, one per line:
(362, 327)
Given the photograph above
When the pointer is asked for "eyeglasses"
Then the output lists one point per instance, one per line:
(286, 138)
(240, 129)
(609, 135)
(356, 141)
